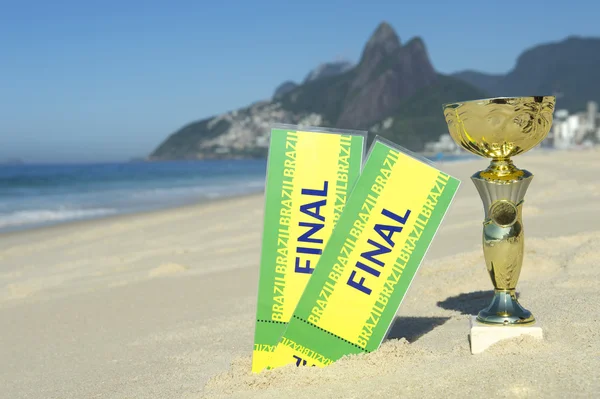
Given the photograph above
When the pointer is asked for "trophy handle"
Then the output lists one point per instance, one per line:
(503, 245)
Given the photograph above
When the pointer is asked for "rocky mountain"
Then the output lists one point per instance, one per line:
(569, 69)
(284, 88)
(387, 75)
(419, 119)
(322, 71)
(393, 90)
(486, 82)
(328, 69)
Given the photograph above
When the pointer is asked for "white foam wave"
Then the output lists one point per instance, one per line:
(208, 191)
(40, 216)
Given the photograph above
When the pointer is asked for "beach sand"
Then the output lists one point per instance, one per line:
(162, 304)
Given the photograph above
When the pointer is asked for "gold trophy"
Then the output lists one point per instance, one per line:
(499, 128)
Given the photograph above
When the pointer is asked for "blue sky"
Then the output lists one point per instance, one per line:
(109, 80)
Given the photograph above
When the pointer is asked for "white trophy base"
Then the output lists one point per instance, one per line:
(483, 336)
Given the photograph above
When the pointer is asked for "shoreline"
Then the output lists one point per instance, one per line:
(123, 214)
(126, 216)
(459, 158)
(172, 205)
(163, 303)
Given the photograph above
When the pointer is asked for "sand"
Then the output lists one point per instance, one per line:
(161, 304)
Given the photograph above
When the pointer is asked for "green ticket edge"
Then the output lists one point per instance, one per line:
(326, 344)
(268, 332)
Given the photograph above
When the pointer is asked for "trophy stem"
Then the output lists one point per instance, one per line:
(502, 169)
(503, 240)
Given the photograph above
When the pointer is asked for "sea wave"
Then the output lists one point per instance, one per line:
(35, 195)
(201, 191)
(41, 216)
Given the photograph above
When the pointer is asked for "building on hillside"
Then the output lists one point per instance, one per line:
(263, 141)
(445, 144)
(569, 130)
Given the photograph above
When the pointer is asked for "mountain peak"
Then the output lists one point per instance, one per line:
(416, 44)
(418, 53)
(384, 30)
(386, 75)
(384, 40)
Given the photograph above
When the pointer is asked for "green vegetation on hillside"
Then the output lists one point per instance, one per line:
(420, 118)
(394, 92)
(325, 97)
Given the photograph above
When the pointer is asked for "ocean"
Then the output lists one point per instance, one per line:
(38, 195)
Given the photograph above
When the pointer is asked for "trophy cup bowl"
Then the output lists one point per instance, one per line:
(499, 128)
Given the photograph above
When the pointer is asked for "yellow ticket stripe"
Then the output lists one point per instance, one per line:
(309, 177)
(308, 220)
(372, 256)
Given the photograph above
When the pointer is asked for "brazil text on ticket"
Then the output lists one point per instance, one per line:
(310, 175)
(370, 260)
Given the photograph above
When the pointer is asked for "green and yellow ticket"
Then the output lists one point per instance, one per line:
(310, 174)
(370, 259)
